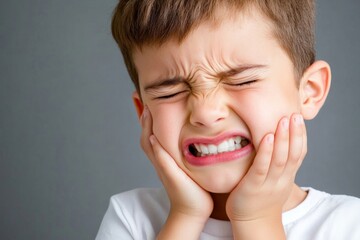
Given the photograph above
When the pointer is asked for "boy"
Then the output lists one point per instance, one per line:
(222, 91)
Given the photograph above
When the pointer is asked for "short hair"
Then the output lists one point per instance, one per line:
(137, 23)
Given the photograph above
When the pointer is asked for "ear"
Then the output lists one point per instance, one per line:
(314, 88)
(139, 106)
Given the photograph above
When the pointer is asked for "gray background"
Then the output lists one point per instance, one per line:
(69, 134)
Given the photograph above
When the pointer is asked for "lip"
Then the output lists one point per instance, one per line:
(216, 158)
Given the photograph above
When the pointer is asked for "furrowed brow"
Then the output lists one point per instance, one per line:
(172, 82)
(239, 69)
(164, 83)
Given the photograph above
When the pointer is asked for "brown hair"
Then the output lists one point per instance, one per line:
(137, 23)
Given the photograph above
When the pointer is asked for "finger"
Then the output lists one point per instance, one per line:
(146, 124)
(304, 148)
(297, 149)
(150, 144)
(281, 150)
(165, 165)
(258, 171)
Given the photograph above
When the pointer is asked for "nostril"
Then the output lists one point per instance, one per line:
(207, 122)
(199, 124)
(220, 119)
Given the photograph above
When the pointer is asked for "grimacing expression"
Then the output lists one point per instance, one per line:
(214, 96)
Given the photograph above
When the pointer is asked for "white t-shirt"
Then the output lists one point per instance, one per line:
(139, 214)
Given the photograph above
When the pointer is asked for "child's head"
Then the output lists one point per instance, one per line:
(217, 76)
(152, 22)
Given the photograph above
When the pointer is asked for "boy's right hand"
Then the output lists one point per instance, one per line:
(191, 205)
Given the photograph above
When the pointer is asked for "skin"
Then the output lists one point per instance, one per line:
(245, 85)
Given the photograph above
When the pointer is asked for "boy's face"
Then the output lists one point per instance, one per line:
(231, 83)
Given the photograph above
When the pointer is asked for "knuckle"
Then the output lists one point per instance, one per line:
(280, 163)
(294, 156)
(305, 150)
(260, 171)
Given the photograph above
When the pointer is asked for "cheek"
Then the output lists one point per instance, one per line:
(262, 114)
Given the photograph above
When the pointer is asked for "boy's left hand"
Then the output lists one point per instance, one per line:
(267, 185)
(188, 201)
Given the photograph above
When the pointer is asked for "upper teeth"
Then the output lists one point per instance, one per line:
(227, 145)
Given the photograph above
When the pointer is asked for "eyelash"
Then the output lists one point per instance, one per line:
(170, 96)
(230, 84)
(242, 83)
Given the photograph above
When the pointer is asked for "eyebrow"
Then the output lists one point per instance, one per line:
(179, 80)
(239, 69)
(164, 83)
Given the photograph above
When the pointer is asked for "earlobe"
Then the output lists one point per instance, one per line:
(139, 106)
(314, 88)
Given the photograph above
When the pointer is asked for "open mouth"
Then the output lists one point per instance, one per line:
(227, 145)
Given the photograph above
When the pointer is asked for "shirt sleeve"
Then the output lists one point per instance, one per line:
(137, 214)
(346, 220)
(115, 225)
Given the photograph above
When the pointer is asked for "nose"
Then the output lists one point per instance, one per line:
(208, 111)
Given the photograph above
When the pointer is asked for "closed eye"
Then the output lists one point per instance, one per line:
(242, 83)
(171, 95)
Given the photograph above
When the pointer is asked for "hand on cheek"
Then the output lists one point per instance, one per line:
(186, 197)
(267, 185)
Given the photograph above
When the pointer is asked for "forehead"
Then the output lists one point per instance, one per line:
(244, 38)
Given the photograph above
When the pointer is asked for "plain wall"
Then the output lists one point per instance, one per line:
(69, 135)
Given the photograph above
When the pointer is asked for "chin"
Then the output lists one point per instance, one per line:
(221, 185)
(221, 178)
(223, 190)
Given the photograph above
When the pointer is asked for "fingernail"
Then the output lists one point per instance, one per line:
(270, 138)
(152, 139)
(298, 119)
(285, 123)
(145, 113)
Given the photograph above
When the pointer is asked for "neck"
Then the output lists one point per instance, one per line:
(297, 195)
(219, 211)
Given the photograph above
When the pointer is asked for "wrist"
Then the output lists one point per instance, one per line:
(189, 217)
(267, 227)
